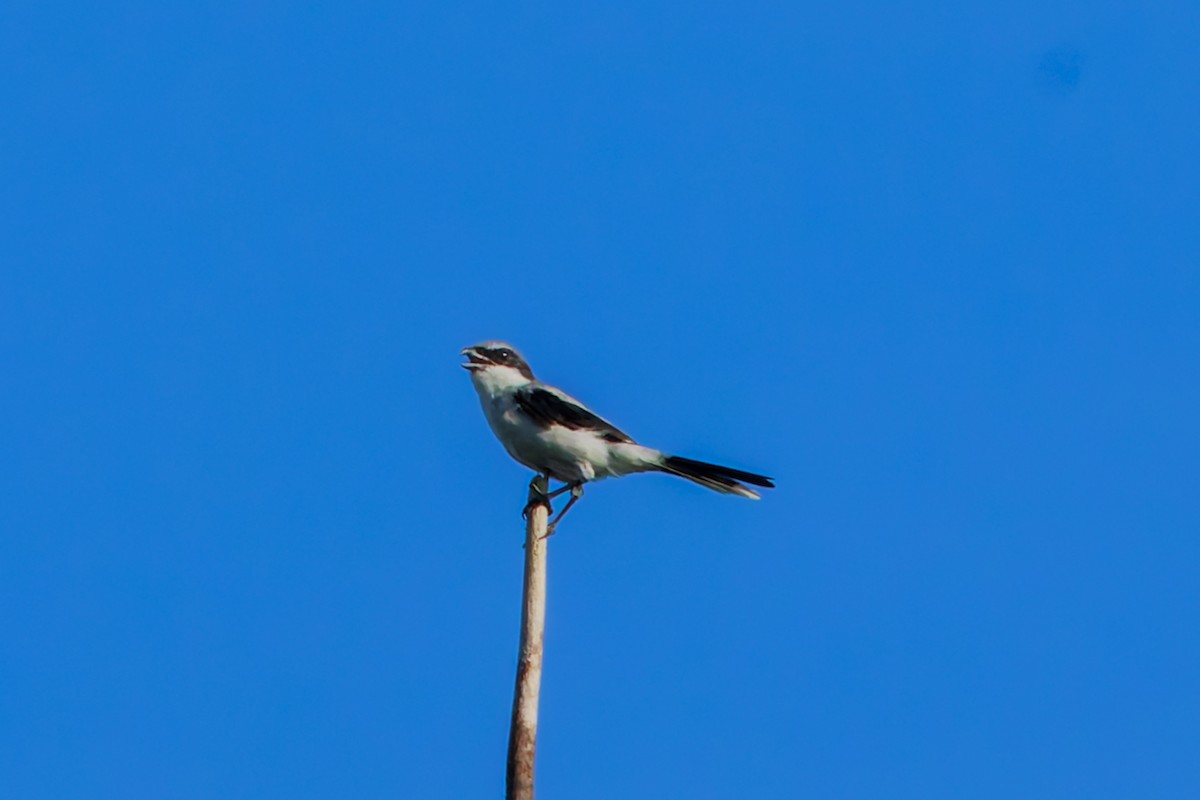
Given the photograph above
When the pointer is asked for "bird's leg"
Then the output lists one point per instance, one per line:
(576, 493)
(558, 491)
(538, 498)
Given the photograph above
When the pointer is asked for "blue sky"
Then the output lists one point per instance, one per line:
(934, 266)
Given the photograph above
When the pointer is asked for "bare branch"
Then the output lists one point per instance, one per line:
(522, 735)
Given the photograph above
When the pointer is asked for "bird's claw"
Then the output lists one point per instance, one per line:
(535, 500)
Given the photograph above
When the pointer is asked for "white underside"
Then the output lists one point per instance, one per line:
(562, 453)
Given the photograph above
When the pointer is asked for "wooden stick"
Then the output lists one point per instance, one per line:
(522, 734)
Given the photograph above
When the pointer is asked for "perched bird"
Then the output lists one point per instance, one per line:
(551, 432)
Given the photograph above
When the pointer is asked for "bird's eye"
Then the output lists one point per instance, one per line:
(505, 354)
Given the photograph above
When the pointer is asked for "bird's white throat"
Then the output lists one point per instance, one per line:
(493, 380)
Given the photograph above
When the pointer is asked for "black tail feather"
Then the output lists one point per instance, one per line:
(717, 478)
(688, 466)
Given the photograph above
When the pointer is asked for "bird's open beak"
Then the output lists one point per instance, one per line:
(474, 360)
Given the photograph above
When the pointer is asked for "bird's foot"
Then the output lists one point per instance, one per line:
(534, 502)
(537, 498)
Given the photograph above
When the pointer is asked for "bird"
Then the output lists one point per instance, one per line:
(557, 436)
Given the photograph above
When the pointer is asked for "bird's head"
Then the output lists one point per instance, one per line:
(496, 365)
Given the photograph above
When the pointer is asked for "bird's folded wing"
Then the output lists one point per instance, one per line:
(547, 407)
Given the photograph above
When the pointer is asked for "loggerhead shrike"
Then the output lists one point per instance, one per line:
(551, 432)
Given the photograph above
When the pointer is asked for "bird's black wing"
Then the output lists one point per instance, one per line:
(547, 407)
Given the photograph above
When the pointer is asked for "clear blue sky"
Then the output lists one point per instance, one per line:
(934, 266)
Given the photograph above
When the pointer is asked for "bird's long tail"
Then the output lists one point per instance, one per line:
(717, 478)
